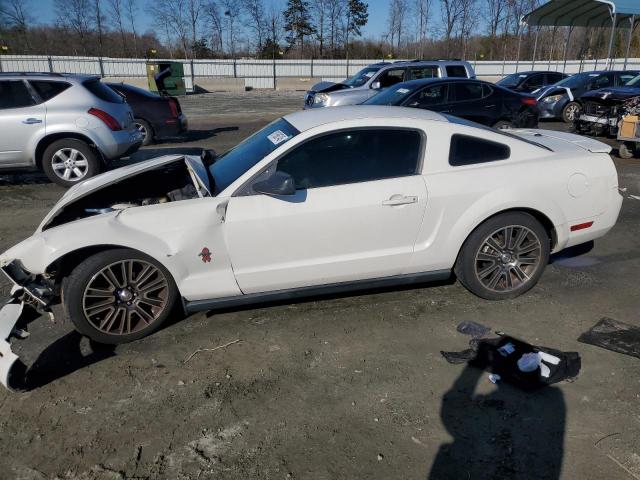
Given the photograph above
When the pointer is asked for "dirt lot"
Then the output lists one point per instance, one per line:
(334, 388)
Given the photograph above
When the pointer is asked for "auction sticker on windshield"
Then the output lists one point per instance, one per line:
(278, 137)
(402, 90)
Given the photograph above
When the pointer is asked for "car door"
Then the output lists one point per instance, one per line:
(532, 83)
(390, 77)
(20, 120)
(472, 101)
(423, 71)
(433, 97)
(356, 213)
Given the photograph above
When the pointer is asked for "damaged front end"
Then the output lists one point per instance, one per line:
(602, 111)
(30, 297)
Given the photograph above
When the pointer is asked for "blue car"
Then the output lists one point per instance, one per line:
(561, 99)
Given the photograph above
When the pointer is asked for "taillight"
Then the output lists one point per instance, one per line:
(532, 102)
(173, 105)
(108, 120)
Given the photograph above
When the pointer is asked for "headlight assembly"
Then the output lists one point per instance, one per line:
(552, 98)
(321, 98)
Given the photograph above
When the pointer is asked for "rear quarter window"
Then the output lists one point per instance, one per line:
(468, 150)
(456, 71)
(48, 89)
(103, 92)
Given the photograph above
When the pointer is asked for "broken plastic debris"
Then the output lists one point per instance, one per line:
(528, 362)
(507, 349)
(476, 330)
(494, 378)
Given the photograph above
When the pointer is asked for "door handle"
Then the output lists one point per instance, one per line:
(489, 106)
(31, 121)
(396, 200)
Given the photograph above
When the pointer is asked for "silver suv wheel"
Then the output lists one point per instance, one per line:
(69, 164)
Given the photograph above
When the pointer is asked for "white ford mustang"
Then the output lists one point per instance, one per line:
(317, 201)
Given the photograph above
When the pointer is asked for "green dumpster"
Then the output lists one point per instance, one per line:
(166, 78)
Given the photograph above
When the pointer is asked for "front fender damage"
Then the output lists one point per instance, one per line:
(30, 297)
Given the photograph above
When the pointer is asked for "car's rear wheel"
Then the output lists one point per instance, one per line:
(145, 129)
(70, 161)
(570, 112)
(504, 257)
(118, 296)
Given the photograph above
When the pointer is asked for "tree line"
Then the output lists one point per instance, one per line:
(469, 29)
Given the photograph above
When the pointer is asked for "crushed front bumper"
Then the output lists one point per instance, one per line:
(30, 295)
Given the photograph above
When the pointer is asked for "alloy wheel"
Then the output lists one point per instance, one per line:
(572, 111)
(70, 164)
(125, 297)
(142, 129)
(508, 258)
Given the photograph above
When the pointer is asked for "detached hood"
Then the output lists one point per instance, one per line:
(614, 95)
(326, 87)
(194, 173)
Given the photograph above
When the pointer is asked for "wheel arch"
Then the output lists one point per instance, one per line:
(44, 143)
(544, 220)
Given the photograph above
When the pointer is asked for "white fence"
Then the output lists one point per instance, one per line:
(267, 73)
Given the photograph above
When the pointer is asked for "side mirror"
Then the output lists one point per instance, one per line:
(376, 85)
(208, 157)
(280, 183)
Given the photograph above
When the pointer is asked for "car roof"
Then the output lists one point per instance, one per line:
(307, 119)
(428, 81)
(529, 72)
(47, 76)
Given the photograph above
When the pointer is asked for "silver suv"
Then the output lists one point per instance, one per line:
(370, 80)
(67, 125)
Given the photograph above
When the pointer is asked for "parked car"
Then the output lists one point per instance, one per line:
(601, 110)
(69, 126)
(527, 82)
(474, 100)
(370, 80)
(155, 116)
(561, 100)
(318, 201)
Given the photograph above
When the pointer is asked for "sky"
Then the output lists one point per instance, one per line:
(378, 10)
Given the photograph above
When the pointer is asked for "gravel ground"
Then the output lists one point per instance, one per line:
(335, 388)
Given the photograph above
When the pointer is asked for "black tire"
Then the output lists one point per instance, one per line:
(626, 150)
(124, 313)
(503, 125)
(53, 159)
(147, 131)
(570, 112)
(471, 264)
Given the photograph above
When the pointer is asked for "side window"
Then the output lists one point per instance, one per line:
(535, 81)
(14, 94)
(391, 77)
(625, 77)
(417, 73)
(428, 97)
(353, 156)
(600, 82)
(47, 90)
(466, 91)
(554, 78)
(468, 150)
(456, 71)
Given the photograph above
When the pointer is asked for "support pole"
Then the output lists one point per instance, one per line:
(535, 49)
(613, 32)
(566, 47)
(518, 52)
(632, 20)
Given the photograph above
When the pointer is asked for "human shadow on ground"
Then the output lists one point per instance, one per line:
(506, 434)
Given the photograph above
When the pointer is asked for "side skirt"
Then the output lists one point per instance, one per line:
(331, 288)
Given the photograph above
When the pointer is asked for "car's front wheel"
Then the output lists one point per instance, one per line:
(504, 257)
(570, 112)
(118, 296)
(70, 161)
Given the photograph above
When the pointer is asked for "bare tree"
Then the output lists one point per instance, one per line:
(256, 20)
(195, 15)
(421, 12)
(231, 10)
(468, 22)
(14, 14)
(319, 10)
(397, 16)
(132, 11)
(335, 9)
(116, 14)
(215, 24)
(99, 16)
(76, 15)
(451, 12)
(172, 15)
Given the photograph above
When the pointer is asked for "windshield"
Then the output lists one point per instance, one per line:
(634, 82)
(511, 80)
(231, 165)
(576, 80)
(361, 77)
(390, 96)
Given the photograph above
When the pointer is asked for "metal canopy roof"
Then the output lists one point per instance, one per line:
(584, 13)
